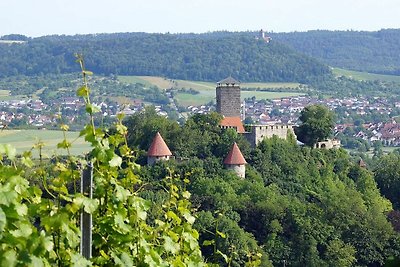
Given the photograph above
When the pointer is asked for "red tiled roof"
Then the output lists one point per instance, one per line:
(158, 147)
(234, 122)
(235, 157)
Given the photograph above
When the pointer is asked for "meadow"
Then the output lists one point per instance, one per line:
(24, 140)
(207, 89)
(365, 76)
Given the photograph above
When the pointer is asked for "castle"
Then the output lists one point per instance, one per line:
(229, 106)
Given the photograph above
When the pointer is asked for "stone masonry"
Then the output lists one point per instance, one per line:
(228, 97)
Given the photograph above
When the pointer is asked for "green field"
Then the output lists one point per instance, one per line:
(24, 140)
(207, 89)
(365, 76)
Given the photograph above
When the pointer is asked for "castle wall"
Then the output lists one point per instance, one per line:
(260, 132)
(228, 100)
(328, 144)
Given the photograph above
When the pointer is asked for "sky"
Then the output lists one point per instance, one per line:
(45, 17)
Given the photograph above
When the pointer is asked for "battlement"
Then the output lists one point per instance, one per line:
(256, 133)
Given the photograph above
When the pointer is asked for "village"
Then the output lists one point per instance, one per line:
(352, 112)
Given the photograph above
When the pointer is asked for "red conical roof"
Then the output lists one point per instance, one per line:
(235, 157)
(158, 147)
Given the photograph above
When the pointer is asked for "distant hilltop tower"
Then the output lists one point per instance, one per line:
(228, 97)
(263, 36)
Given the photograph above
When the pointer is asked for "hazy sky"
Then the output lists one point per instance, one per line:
(44, 17)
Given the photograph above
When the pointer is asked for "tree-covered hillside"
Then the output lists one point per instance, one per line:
(377, 51)
(208, 57)
(297, 206)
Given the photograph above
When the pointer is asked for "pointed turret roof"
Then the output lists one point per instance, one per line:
(228, 80)
(235, 157)
(158, 147)
(362, 163)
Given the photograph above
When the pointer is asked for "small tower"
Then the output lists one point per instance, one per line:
(158, 150)
(362, 163)
(235, 161)
(228, 97)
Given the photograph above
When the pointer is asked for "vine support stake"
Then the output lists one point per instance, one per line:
(86, 218)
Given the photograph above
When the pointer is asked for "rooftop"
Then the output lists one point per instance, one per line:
(235, 156)
(228, 81)
(158, 147)
(233, 122)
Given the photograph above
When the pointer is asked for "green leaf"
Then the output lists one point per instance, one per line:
(90, 205)
(120, 223)
(7, 197)
(9, 259)
(83, 91)
(124, 260)
(186, 194)
(64, 144)
(221, 234)
(172, 215)
(116, 161)
(208, 242)
(170, 245)
(223, 255)
(91, 108)
(88, 72)
(3, 220)
(24, 230)
(189, 218)
(35, 261)
(64, 127)
(78, 260)
(21, 209)
(122, 129)
(121, 193)
(9, 150)
(27, 162)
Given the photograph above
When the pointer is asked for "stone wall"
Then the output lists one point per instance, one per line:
(259, 132)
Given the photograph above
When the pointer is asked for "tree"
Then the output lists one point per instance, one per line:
(317, 124)
(387, 176)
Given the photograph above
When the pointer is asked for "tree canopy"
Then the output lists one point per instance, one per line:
(317, 123)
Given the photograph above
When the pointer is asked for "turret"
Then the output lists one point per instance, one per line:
(235, 161)
(158, 150)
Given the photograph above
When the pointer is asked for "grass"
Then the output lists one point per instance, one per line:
(24, 140)
(185, 99)
(365, 76)
(207, 89)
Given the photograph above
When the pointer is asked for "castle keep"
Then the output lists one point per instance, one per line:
(228, 97)
(229, 105)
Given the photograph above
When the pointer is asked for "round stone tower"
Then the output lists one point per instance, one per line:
(235, 161)
(228, 97)
(158, 150)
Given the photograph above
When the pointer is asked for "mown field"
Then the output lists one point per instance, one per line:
(24, 140)
(207, 89)
(365, 76)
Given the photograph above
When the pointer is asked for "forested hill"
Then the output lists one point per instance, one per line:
(377, 51)
(205, 57)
